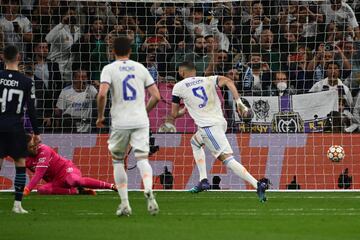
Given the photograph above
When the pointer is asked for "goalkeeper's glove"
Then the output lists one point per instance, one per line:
(26, 191)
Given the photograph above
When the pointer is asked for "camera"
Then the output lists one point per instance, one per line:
(329, 47)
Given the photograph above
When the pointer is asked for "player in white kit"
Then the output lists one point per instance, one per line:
(127, 81)
(201, 100)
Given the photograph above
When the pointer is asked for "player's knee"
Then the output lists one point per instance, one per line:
(195, 144)
(224, 156)
(118, 156)
(140, 155)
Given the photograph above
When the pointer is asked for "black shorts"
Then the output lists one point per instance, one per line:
(13, 144)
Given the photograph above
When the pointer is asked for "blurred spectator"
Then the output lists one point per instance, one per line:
(48, 83)
(17, 28)
(195, 22)
(93, 40)
(352, 52)
(199, 57)
(325, 54)
(340, 12)
(75, 104)
(43, 18)
(332, 82)
(269, 50)
(166, 179)
(280, 86)
(224, 32)
(61, 38)
(344, 180)
(255, 78)
(293, 184)
(218, 63)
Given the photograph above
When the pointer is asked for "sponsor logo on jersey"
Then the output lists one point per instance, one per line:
(41, 160)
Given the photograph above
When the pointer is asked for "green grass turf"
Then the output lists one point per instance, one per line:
(208, 215)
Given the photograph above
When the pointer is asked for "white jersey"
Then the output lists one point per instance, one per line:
(201, 99)
(128, 80)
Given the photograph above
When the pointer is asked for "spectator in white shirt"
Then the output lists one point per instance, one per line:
(332, 82)
(75, 104)
(17, 28)
(61, 38)
(341, 13)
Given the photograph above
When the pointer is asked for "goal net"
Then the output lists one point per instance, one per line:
(296, 65)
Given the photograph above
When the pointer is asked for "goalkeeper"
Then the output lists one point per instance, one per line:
(61, 175)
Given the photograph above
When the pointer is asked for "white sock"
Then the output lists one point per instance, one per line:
(146, 174)
(199, 156)
(121, 181)
(240, 170)
(17, 203)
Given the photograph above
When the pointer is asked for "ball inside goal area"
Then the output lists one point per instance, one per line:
(336, 153)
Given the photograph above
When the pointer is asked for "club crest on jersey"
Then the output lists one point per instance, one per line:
(69, 170)
(261, 109)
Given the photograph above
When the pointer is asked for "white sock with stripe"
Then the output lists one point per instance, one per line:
(199, 156)
(240, 170)
(121, 181)
(146, 174)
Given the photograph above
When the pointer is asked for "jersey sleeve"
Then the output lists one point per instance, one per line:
(214, 80)
(176, 94)
(105, 76)
(30, 101)
(43, 161)
(351, 17)
(27, 25)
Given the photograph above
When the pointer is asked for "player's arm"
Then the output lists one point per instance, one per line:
(101, 102)
(176, 111)
(43, 160)
(30, 101)
(155, 97)
(224, 81)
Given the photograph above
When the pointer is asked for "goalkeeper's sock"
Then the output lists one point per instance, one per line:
(19, 183)
(94, 183)
(240, 170)
(121, 181)
(199, 156)
(146, 174)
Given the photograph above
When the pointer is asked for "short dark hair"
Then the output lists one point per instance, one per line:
(28, 137)
(333, 63)
(10, 53)
(187, 65)
(122, 46)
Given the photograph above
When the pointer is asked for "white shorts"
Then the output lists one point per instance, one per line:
(120, 139)
(214, 139)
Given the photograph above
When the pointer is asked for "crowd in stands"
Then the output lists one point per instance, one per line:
(269, 48)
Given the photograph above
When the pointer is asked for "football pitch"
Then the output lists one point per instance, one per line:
(208, 215)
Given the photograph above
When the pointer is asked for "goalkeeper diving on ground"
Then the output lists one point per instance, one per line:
(62, 177)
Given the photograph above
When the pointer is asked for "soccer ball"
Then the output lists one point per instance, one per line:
(336, 153)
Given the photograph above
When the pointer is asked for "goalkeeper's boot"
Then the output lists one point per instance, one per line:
(124, 209)
(203, 185)
(113, 187)
(86, 191)
(262, 186)
(152, 206)
(17, 208)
